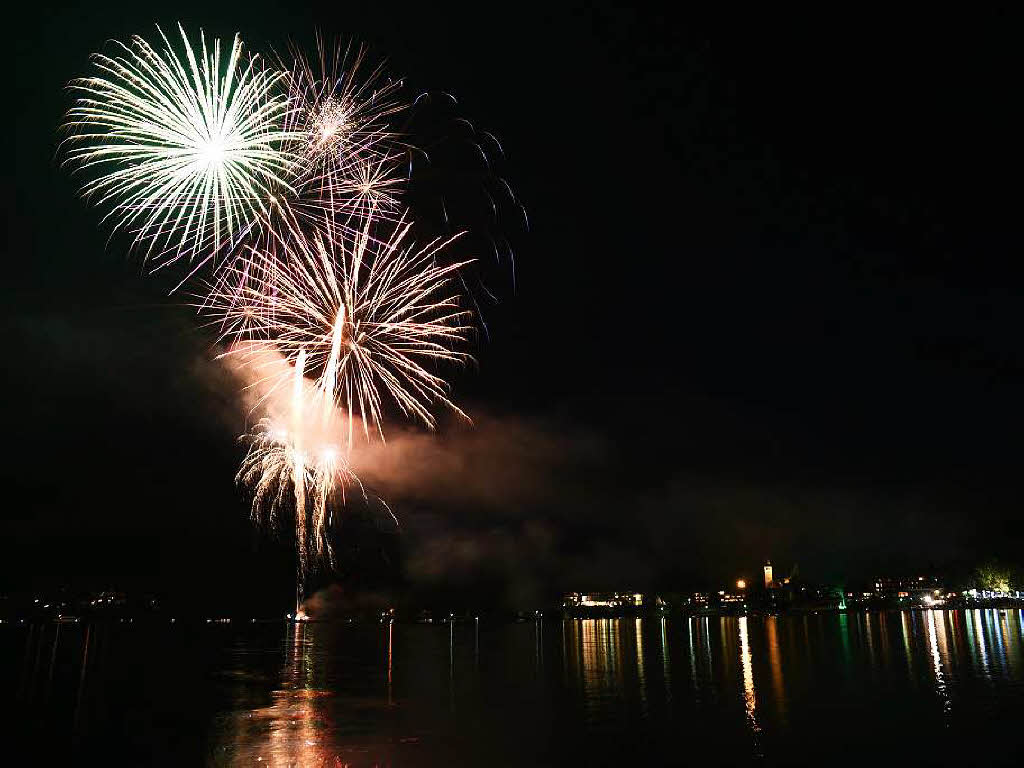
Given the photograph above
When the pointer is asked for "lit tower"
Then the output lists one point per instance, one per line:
(768, 574)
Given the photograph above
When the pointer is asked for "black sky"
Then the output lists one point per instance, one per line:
(768, 306)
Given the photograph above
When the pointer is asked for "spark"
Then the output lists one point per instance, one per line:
(346, 155)
(338, 124)
(297, 465)
(340, 112)
(187, 149)
(371, 317)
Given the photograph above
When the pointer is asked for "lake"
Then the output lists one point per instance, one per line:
(908, 687)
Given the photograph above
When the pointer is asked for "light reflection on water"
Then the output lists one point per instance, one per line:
(294, 728)
(937, 658)
(775, 659)
(312, 695)
(749, 696)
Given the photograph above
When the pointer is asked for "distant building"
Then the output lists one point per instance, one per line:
(768, 582)
(697, 602)
(732, 602)
(602, 600)
(907, 587)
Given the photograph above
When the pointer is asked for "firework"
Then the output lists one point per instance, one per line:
(305, 458)
(369, 318)
(346, 157)
(289, 178)
(186, 152)
(340, 116)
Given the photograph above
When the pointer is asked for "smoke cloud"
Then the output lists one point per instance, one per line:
(513, 510)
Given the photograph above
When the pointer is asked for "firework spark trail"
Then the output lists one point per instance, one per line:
(188, 151)
(368, 316)
(274, 466)
(294, 455)
(299, 478)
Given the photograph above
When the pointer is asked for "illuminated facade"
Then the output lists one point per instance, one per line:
(907, 586)
(768, 582)
(732, 602)
(603, 600)
(988, 594)
(583, 604)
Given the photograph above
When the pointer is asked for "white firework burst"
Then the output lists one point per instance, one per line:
(186, 152)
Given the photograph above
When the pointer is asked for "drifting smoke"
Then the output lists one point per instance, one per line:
(494, 463)
(259, 370)
(494, 501)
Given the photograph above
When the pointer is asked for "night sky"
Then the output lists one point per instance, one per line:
(768, 306)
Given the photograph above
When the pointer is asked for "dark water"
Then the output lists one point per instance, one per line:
(934, 687)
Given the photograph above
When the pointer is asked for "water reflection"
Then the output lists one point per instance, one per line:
(749, 697)
(666, 673)
(599, 660)
(315, 714)
(883, 637)
(81, 679)
(538, 642)
(844, 635)
(706, 643)
(391, 633)
(451, 665)
(775, 660)
(290, 730)
(905, 624)
(608, 660)
(727, 639)
(977, 632)
(933, 645)
(1012, 642)
(311, 695)
(639, 639)
(693, 654)
(600, 640)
